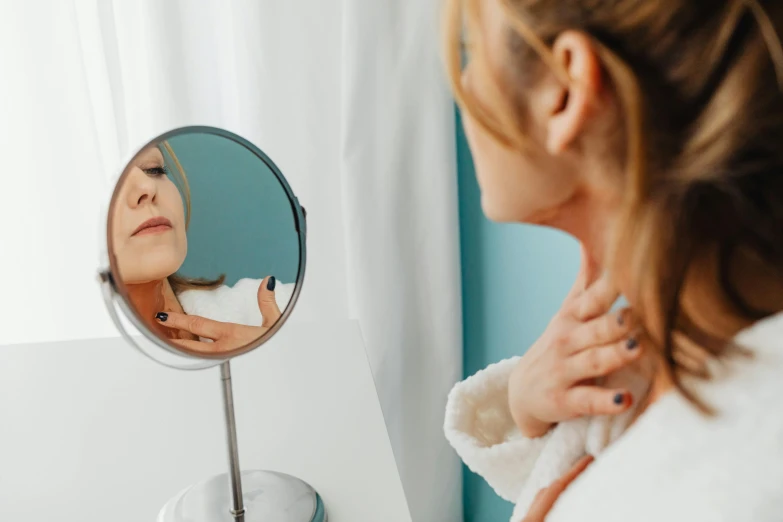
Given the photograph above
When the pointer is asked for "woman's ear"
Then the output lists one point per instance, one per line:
(569, 107)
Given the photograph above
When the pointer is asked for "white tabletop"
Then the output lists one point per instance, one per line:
(93, 431)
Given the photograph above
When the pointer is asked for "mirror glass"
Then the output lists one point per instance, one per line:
(204, 243)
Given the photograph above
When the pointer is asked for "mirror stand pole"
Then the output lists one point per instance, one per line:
(238, 509)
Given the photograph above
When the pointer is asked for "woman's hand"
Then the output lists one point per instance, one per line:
(225, 336)
(554, 380)
(546, 498)
(267, 303)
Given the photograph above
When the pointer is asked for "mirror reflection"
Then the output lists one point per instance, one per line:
(203, 242)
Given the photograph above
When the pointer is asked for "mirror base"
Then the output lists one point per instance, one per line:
(267, 495)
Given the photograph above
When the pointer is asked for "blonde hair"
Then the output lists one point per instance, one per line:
(698, 84)
(178, 282)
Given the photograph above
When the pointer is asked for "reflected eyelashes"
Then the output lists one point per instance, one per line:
(156, 171)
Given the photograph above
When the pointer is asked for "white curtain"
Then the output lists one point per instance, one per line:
(347, 98)
(401, 223)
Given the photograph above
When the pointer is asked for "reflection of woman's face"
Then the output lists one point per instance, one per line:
(148, 223)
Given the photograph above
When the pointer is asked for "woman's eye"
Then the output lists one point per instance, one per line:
(156, 171)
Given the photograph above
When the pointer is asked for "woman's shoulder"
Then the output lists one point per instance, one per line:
(699, 467)
(752, 386)
(764, 336)
(745, 394)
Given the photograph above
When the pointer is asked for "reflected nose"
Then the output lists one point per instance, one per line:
(141, 188)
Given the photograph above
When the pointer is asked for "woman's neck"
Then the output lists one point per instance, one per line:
(588, 217)
(148, 299)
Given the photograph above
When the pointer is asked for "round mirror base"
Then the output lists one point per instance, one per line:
(267, 495)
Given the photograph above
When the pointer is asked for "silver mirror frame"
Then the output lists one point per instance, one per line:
(112, 290)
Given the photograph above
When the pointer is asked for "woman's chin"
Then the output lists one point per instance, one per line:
(139, 280)
(505, 213)
(494, 212)
(144, 277)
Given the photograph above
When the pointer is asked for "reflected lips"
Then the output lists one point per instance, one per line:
(153, 226)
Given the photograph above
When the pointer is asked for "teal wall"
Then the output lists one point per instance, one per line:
(514, 278)
(241, 222)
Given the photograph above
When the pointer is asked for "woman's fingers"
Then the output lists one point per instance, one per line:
(595, 400)
(542, 504)
(194, 324)
(198, 346)
(267, 303)
(546, 498)
(226, 344)
(602, 330)
(599, 361)
(574, 472)
(596, 300)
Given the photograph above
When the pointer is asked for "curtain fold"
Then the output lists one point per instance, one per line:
(398, 168)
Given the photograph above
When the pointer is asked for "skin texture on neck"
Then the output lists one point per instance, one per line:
(589, 217)
(153, 297)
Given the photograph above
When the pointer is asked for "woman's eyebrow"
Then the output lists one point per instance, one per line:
(150, 157)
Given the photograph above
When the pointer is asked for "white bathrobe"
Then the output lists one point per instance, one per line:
(672, 464)
(233, 304)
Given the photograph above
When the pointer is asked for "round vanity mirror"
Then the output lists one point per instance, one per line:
(205, 247)
(204, 261)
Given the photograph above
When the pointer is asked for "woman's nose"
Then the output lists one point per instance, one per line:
(141, 188)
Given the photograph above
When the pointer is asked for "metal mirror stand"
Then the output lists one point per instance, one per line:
(238, 508)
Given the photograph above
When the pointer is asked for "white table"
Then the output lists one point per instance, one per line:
(93, 431)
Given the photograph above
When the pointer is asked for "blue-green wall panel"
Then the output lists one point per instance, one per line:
(514, 278)
(241, 220)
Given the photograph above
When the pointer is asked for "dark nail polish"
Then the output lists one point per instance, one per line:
(270, 284)
(621, 318)
(631, 343)
(161, 316)
(618, 399)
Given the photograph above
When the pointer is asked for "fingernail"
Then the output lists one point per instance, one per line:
(621, 318)
(618, 399)
(631, 343)
(270, 284)
(161, 316)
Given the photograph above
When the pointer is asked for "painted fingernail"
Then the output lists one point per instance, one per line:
(270, 284)
(621, 318)
(631, 343)
(161, 316)
(618, 399)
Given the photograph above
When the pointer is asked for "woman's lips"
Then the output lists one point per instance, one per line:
(155, 225)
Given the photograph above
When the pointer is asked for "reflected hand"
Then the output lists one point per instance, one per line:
(225, 336)
(546, 498)
(267, 303)
(555, 379)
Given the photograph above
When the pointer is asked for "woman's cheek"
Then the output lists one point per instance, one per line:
(480, 149)
(183, 248)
